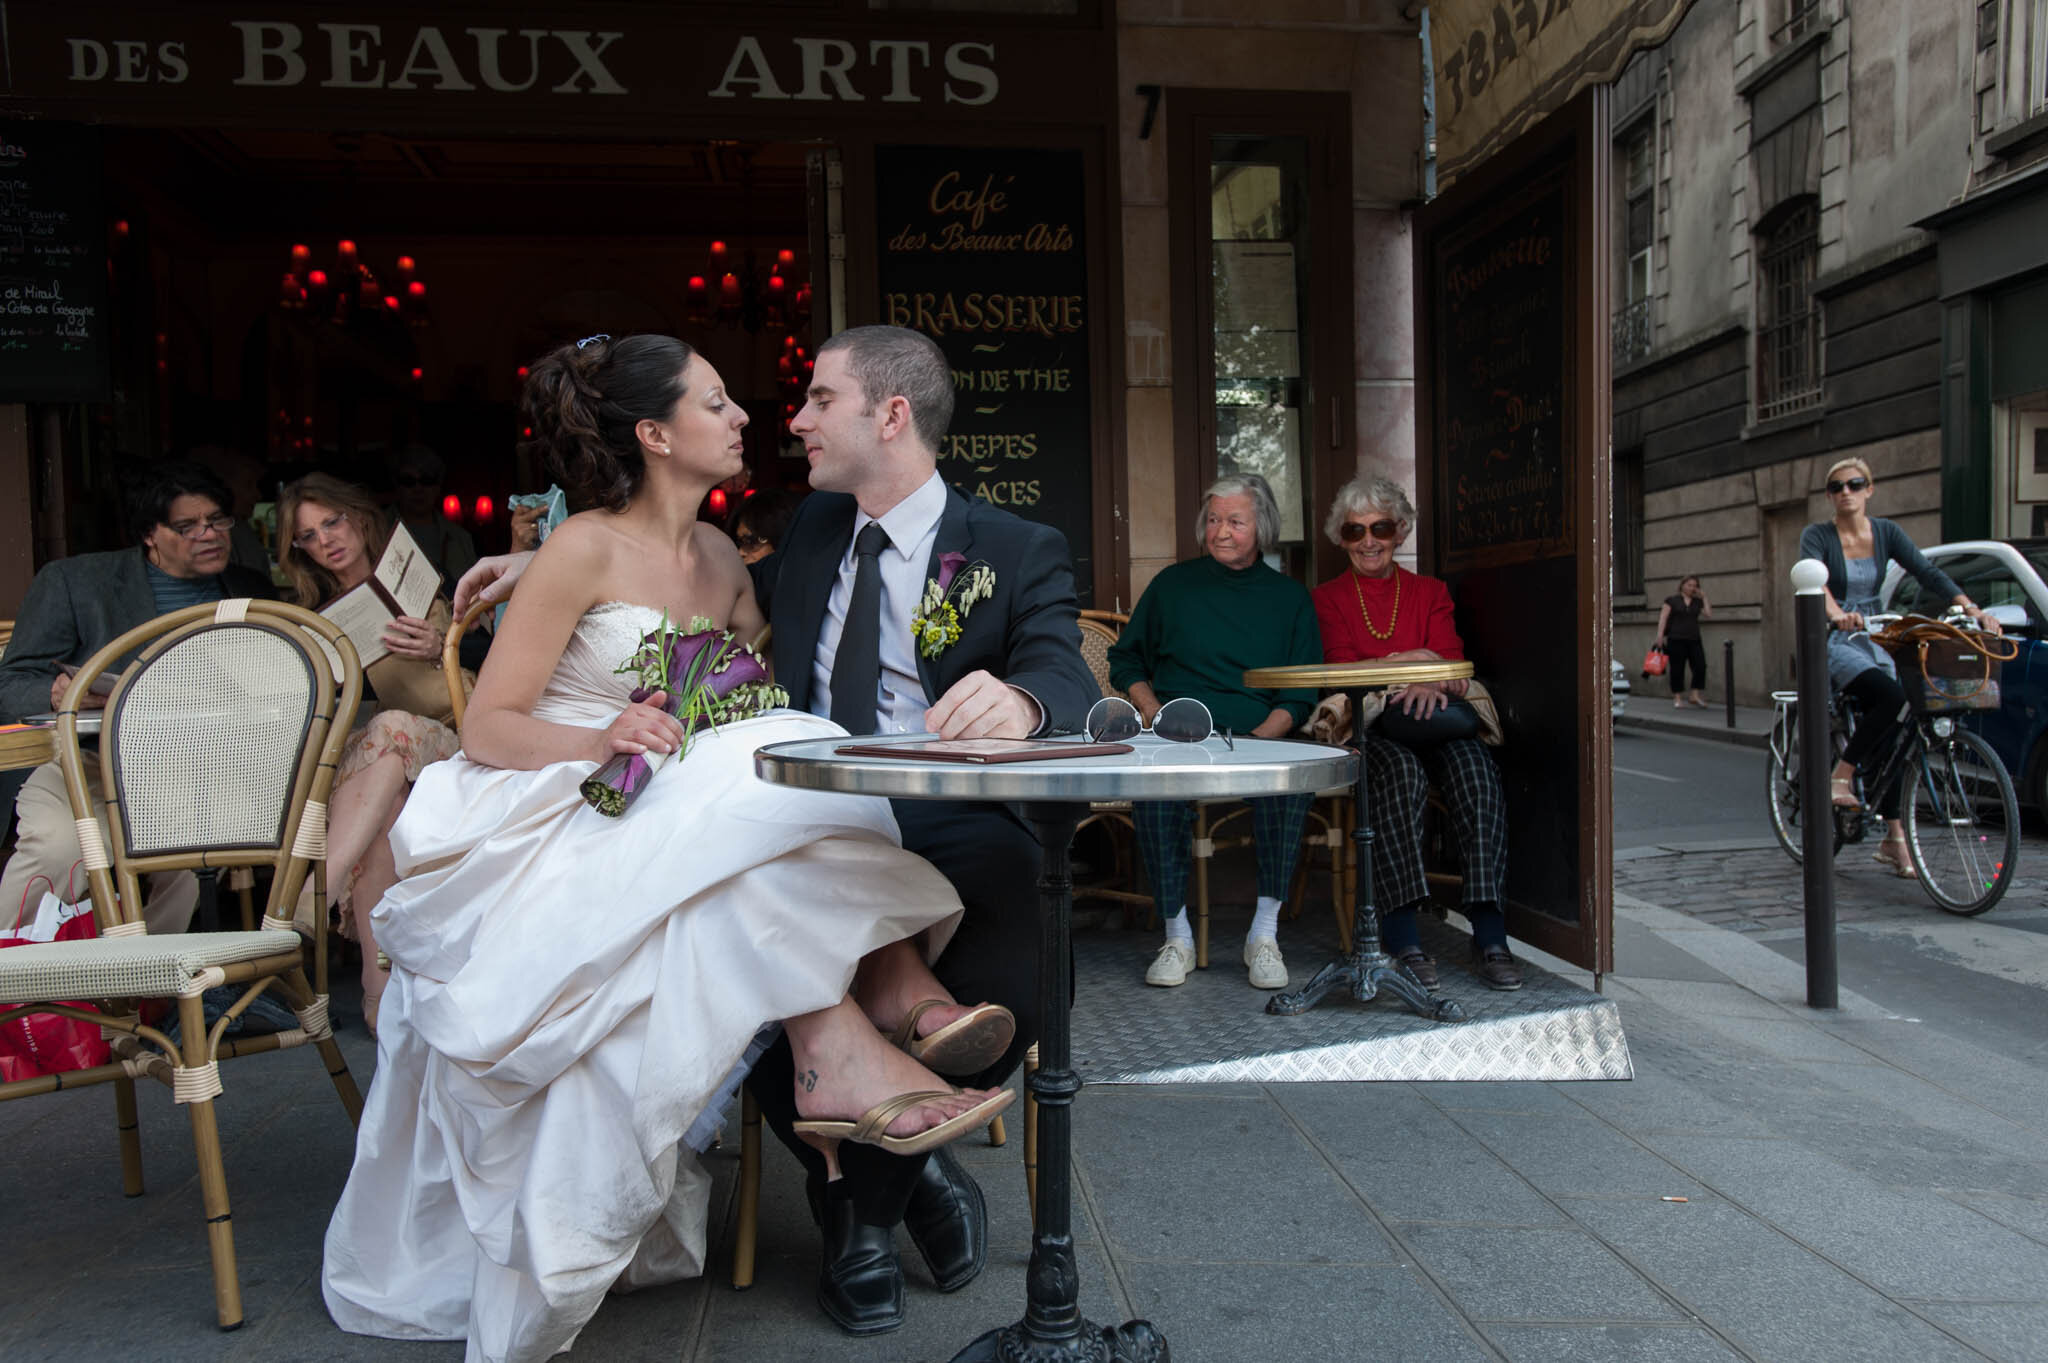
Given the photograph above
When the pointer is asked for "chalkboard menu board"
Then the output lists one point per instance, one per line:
(53, 273)
(1503, 332)
(983, 250)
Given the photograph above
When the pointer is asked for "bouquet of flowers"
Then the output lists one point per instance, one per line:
(709, 677)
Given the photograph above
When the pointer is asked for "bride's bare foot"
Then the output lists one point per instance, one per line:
(844, 1069)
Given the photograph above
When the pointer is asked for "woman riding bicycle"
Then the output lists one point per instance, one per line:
(1857, 548)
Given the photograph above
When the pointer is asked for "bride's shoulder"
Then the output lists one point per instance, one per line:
(582, 540)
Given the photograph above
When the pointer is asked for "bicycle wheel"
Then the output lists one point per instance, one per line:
(1962, 824)
(1782, 794)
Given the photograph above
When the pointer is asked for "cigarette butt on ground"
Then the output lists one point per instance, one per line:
(1676, 1199)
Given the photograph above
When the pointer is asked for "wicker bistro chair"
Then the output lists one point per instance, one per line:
(1099, 630)
(451, 660)
(217, 749)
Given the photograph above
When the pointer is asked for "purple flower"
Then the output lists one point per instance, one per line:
(949, 567)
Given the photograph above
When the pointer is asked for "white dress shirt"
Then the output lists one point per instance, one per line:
(912, 526)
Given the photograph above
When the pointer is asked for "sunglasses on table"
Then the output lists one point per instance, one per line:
(1354, 531)
(1835, 485)
(1185, 720)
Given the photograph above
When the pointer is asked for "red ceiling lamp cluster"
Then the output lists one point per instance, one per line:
(740, 294)
(347, 288)
(793, 375)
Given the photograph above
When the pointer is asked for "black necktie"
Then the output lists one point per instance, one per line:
(857, 670)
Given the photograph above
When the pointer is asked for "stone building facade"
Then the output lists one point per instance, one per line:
(1779, 169)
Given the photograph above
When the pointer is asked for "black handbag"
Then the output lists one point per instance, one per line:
(1456, 720)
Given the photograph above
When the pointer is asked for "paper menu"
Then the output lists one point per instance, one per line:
(404, 583)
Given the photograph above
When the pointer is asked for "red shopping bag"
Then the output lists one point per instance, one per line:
(41, 1043)
(1654, 663)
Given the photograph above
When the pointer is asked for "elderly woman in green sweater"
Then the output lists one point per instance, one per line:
(1193, 633)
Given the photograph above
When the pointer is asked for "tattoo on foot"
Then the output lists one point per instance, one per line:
(809, 1079)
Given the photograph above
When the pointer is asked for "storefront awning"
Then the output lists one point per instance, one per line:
(1501, 65)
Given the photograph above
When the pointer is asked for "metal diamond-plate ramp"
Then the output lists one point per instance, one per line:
(1214, 1029)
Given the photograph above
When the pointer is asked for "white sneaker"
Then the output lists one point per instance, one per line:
(1267, 970)
(1171, 966)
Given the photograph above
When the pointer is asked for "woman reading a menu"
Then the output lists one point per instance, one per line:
(333, 537)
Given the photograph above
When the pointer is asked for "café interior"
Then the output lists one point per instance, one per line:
(315, 299)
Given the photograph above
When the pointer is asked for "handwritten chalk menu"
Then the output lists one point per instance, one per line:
(983, 251)
(1503, 314)
(53, 273)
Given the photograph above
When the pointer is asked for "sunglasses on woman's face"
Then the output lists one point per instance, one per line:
(1852, 485)
(1354, 531)
(1184, 720)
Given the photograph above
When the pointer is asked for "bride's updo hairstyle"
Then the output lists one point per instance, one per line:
(583, 401)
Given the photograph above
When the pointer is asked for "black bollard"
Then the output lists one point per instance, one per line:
(1728, 677)
(1817, 853)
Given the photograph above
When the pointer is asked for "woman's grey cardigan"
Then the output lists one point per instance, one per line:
(1890, 545)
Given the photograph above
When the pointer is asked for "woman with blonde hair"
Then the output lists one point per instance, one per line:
(1857, 547)
(329, 540)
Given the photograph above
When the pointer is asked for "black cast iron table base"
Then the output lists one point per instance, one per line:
(1366, 972)
(1053, 1329)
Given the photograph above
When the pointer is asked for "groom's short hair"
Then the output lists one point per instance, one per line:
(898, 362)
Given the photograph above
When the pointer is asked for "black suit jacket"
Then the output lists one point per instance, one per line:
(1028, 633)
(74, 606)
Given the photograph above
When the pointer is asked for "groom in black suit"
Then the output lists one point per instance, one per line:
(879, 402)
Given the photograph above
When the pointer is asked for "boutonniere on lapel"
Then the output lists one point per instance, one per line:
(935, 625)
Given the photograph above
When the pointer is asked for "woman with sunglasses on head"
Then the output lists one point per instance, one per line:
(1197, 628)
(330, 537)
(1427, 734)
(1857, 547)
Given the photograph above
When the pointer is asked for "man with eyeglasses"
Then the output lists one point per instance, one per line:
(181, 516)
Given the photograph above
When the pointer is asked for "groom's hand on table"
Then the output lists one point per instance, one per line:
(489, 579)
(981, 706)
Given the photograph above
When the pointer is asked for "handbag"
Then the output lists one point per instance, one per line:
(1456, 720)
(1950, 674)
(37, 1044)
(1654, 663)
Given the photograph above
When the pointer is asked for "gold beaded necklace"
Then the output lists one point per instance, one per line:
(1371, 628)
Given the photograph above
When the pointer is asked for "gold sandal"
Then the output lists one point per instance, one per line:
(1842, 791)
(1900, 863)
(967, 1045)
(872, 1126)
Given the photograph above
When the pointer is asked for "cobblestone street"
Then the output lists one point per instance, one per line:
(1758, 889)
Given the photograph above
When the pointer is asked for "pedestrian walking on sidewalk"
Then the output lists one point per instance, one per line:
(1678, 634)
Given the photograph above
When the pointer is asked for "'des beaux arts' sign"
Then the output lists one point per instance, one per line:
(982, 250)
(582, 65)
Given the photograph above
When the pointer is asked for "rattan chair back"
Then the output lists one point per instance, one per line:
(1096, 637)
(451, 661)
(218, 748)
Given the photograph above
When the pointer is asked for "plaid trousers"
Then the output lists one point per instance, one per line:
(1166, 844)
(1399, 778)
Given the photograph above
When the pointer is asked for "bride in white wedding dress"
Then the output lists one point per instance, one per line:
(573, 997)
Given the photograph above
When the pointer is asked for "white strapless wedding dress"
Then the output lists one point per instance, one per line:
(570, 994)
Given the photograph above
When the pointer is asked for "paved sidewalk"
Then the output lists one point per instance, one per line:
(1776, 1184)
(1656, 714)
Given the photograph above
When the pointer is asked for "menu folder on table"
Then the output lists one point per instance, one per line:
(983, 750)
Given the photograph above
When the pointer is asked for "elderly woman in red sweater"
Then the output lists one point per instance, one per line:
(1377, 609)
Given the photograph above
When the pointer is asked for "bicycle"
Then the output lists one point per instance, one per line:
(1962, 821)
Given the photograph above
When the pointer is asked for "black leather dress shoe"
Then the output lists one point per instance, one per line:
(948, 1221)
(860, 1279)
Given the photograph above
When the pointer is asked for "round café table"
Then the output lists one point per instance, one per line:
(1367, 971)
(1054, 795)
